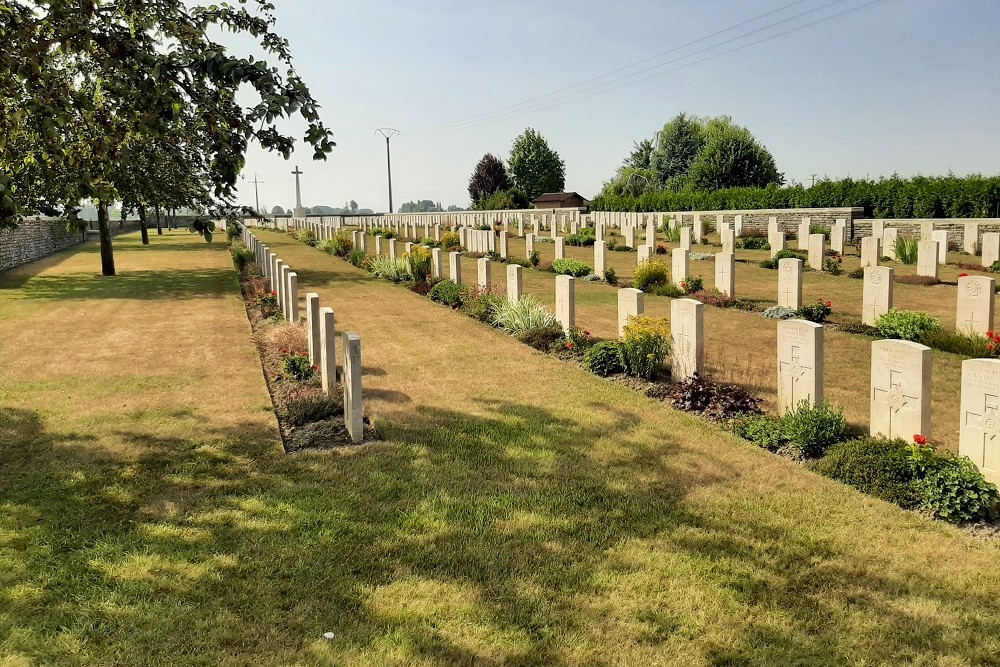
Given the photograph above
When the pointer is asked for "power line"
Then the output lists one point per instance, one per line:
(556, 103)
(616, 71)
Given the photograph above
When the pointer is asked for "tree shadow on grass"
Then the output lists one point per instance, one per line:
(142, 285)
(514, 535)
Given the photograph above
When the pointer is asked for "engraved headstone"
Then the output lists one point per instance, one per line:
(870, 251)
(725, 273)
(327, 350)
(790, 283)
(990, 248)
(631, 302)
(800, 363)
(485, 267)
(679, 267)
(974, 313)
(455, 267)
(353, 404)
(817, 248)
(312, 327)
(889, 236)
(514, 282)
(970, 238)
(687, 336)
(566, 301)
(927, 259)
(979, 432)
(877, 293)
(900, 389)
(941, 236)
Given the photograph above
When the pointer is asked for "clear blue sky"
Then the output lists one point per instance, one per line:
(907, 86)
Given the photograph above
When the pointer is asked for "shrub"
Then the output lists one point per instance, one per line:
(714, 297)
(357, 257)
(669, 290)
(813, 428)
(974, 346)
(395, 270)
(520, 261)
(995, 267)
(340, 245)
(779, 313)
(542, 338)
(832, 266)
(306, 405)
(816, 312)
(517, 317)
(450, 239)
(857, 273)
(661, 249)
(430, 243)
(268, 304)
(768, 264)
(242, 256)
(753, 243)
(447, 292)
(906, 249)
(546, 267)
(789, 254)
(673, 235)
(610, 277)
(879, 467)
(692, 284)
(605, 358)
(953, 488)
(650, 274)
(761, 430)
(305, 236)
(645, 345)
(534, 258)
(577, 341)
(571, 267)
(926, 281)
(905, 324)
(480, 304)
(418, 262)
(298, 367)
(717, 402)
(582, 239)
(233, 230)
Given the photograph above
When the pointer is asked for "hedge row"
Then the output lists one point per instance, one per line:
(921, 197)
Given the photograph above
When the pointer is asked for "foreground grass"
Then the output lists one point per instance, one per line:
(521, 511)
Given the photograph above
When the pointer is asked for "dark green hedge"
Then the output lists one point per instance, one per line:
(920, 197)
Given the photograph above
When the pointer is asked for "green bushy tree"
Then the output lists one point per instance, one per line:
(535, 167)
(489, 177)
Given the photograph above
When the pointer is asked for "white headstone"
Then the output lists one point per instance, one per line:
(800, 363)
(631, 302)
(877, 293)
(974, 313)
(738, 225)
(600, 258)
(566, 301)
(878, 228)
(629, 234)
(529, 245)
(990, 248)
(817, 248)
(941, 236)
(838, 237)
(927, 259)
(889, 236)
(455, 267)
(790, 283)
(870, 251)
(686, 238)
(514, 282)
(728, 241)
(803, 234)
(900, 396)
(979, 433)
(970, 237)
(698, 231)
(353, 404)
(436, 263)
(725, 273)
(312, 327)
(392, 248)
(560, 247)
(485, 273)
(927, 231)
(327, 350)
(777, 242)
(645, 253)
(679, 266)
(687, 336)
(503, 249)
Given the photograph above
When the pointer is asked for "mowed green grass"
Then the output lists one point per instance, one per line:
(519, 512)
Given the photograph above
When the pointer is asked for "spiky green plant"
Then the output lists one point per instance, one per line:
(396, 270)
(906, 249)
(517, 317)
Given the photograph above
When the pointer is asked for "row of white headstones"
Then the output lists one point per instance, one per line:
(321, 333)
(900, 373)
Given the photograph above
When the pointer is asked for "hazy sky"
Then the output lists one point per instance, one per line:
(908, 86)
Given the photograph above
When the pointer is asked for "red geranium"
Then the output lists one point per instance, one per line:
(569, 346)
(829, 304)
(284, 350)
(920, 439)
(963, 275)
(586, 333)
(273, 293)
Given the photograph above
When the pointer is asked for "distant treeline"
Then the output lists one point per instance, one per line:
(921, 197)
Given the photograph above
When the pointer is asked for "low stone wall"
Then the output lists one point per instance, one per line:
(911, 227)
(788, 218)
(34, 239)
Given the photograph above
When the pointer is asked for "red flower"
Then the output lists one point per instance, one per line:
(315, 368)
(683, 284)
(569, 346)
(829, 304)
(273, 293)
(586, 333)
(990, 333)
(962, 275)
(840, 260)
(284, 350)
(920, 439)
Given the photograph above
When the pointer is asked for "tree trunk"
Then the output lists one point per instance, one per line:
(107, 251)
(142, 224)
(159, 227)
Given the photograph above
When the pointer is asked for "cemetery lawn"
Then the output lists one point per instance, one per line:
(520, 511)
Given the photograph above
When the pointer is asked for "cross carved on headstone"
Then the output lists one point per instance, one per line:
(893, 399)
(988, 426)
(972, 320)
(794, 370)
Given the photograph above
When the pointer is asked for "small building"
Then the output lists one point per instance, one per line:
(561, 200)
